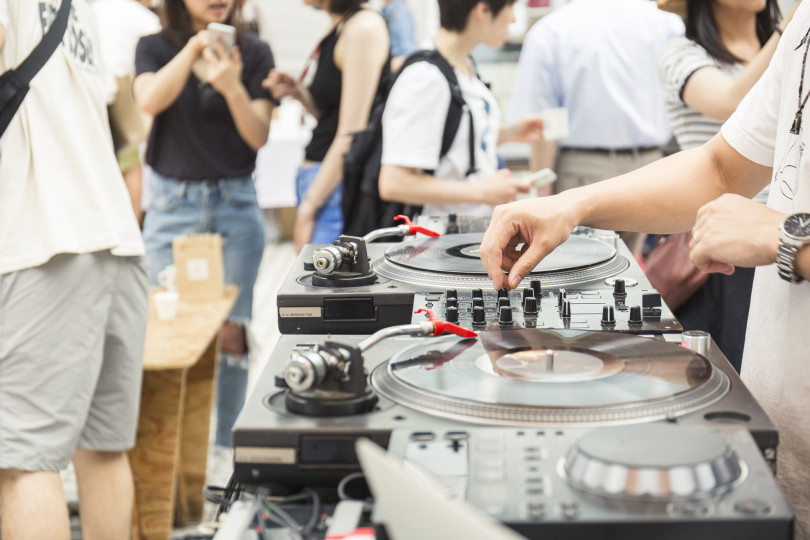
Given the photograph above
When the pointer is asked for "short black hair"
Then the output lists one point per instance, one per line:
(702, 28)
(342, 7)
(453, 14)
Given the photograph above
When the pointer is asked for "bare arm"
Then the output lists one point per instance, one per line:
(662, 197)
(155, 92)
(251, 117)
(407, 185)
(713, 93)
(360, 53)
(282, 85)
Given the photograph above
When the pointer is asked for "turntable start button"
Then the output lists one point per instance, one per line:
(753, 507)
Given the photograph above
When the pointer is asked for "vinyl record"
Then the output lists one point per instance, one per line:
(550, 377)
(458, 253)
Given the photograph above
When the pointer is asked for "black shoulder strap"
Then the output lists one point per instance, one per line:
(457, 103)
(45, 48)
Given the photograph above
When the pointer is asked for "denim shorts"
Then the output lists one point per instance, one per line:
(329, 221)
(227, 207)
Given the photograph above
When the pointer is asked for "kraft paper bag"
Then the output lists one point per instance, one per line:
(198, 258)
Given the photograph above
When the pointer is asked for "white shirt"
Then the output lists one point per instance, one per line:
(121, 23)
(776, 360)
(413, 125)
(60, 187)
(598, 59)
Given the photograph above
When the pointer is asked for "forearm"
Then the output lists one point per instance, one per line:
(155, 92)
(753, 71)
(407, 186)
(330, 173)
(252, 119)
(303, 95)
(664, 196)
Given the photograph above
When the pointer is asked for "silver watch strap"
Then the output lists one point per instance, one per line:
(786, 262)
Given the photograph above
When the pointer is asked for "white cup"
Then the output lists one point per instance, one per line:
(168, 277)
(166, 305)
(555, 123)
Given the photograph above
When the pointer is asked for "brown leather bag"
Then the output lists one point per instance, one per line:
(671, 272)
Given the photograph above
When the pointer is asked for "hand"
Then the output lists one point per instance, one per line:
(527, 130)
(224, 70)
(304, 224)
(787, 18)
(734, 231)
(540, 224)
(197, 43)
(501, 188)
(280, 85)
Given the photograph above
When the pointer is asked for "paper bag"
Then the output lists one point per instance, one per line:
(198, 258)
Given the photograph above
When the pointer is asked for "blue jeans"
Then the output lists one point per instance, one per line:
(329, 221)
(227, 207)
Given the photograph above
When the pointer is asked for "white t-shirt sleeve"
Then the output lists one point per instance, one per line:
(414, 118)
(751, 130)
(537, 82)
(678, 60)
(4, 14)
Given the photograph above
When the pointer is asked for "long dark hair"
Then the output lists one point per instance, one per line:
(177, 22)
(702, 29)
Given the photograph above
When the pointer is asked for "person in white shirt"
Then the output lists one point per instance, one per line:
(709, 188)
(597, 59)
(73, 290)
(415, 114)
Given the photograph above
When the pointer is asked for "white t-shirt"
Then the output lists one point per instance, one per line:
(60, 187)
(413, 125)
(121, 23)
(776, 360)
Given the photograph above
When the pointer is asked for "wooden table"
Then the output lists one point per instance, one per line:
(171, 449)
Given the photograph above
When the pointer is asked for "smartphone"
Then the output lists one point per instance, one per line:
(541, 178)
(222, 32)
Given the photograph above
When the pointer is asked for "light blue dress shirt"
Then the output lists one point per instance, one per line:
(400, 28)
(598, 58)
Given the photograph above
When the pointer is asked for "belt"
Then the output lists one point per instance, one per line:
(632, 150)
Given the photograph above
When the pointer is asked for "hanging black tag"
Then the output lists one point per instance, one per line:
(797, 123)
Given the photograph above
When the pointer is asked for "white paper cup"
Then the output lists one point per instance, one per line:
(555, 123)
(168, 277)
(166, 305)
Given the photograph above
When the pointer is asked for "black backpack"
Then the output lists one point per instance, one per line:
(363, 209)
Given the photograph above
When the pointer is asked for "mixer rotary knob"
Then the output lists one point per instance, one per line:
(530, 305)
(505, 315)
(479, 317)
(503, 293)
(608, 315)
(635, 315)
(452, 314)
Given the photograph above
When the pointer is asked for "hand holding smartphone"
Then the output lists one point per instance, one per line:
(223, 33)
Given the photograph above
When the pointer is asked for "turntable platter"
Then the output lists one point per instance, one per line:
(453, 261)
(556, 377)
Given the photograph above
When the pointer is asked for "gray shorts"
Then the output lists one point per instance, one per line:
(71, 349)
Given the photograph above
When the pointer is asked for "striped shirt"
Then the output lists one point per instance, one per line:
(678, 60)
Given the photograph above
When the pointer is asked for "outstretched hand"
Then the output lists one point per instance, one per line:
(734, 231)
(520, 234)
(224, 68)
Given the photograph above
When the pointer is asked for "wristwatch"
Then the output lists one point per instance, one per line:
(795, 233)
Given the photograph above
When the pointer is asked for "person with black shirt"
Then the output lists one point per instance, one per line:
(352, 59)
(211, 116)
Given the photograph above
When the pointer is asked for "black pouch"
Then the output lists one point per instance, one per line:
(12, 92)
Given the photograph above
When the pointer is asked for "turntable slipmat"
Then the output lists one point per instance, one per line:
(453, 261)
(564, 377)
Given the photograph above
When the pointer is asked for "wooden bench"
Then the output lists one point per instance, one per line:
(171, 450)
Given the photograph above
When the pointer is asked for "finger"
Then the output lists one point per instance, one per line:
(236, 55)
(531, 255)
(209, 56)
(222, 52)
(492, 256)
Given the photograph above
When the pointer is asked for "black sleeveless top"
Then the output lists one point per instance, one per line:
(325, 90)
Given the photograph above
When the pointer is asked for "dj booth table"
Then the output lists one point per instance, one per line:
(171, 449)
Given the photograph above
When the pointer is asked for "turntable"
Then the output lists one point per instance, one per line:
(527, 377)
(356, 286)
(656, 480)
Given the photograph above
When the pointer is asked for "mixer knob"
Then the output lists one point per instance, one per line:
(530, 305)
(477, 293)
(503, 302)
(451, 302)
(535, 285)
(479, 316)
(527, 292)
(505, 315)
(635, 315)
(503, 293)
(619, 287)
(452, 314)
(452, 293)
(478, 302)
(608, 315)
(566, 310)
